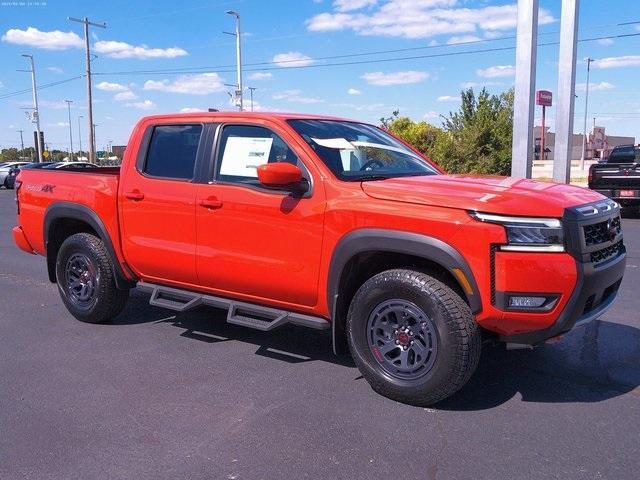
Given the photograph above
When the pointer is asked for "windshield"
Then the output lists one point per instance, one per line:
(355, 151)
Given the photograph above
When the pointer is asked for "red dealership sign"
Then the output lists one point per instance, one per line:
(544, 98)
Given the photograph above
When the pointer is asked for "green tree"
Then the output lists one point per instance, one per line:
(9, 155)
(475, 139)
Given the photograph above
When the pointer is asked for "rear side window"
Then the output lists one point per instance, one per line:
(172, 151)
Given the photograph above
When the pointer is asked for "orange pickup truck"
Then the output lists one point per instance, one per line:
(329, 224)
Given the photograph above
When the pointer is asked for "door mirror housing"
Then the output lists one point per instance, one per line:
(282, 176)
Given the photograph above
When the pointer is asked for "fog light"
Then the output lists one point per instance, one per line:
(526, 302)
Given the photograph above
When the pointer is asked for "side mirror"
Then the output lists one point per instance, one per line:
(282, 176)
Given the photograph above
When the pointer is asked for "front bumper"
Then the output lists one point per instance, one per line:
(595, 292)
(594, 240)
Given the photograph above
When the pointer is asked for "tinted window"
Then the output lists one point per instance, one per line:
(244, 147)
(626, 154)
(172, 151)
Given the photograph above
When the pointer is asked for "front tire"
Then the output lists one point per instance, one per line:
(413, 338)
(86, 279)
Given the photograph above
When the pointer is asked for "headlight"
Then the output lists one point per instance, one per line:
(528, 234)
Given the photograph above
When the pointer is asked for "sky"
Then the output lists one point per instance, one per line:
(315, 56)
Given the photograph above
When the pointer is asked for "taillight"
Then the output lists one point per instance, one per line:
(17, 186)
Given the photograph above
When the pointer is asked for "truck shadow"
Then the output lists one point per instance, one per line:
(590, 364)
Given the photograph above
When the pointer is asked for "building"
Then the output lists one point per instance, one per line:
(599, 144)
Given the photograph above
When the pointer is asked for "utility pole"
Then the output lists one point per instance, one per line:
(586, 108)
(251, 90)
(21, 143)
(79, 134)
(238, 58)
(36, 112)
(69, 102)
(85, 21)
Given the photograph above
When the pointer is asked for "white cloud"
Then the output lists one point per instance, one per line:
(111, 87)
(55, 69)
(292, 59)
(32, 37)
(431, 115)
(261, 76)
(481, 84)
(199, 84)
(58, 124)
(605, 41)
(581, 87)
(124, 96)
(191, 110)
(349, 5)
(618, 62)
(115, 49)
(1, 85)
(55, 104)
(394, 78)
(354, 91)
(295, 96)
(420, 18)
(497, 71)
(145, 105)
(463, 39)
(448, 98)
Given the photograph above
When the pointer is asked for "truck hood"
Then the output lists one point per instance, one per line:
(491, 194)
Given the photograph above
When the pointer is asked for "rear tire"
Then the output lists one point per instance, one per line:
(413, 338)
(86, 279)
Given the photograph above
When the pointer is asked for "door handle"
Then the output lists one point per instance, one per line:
(135, 195)
(211, 202)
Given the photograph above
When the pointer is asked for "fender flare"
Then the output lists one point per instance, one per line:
(394, 241)
(68, 210)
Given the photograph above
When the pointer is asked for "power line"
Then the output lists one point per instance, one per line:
(224, 69)
(40, 87)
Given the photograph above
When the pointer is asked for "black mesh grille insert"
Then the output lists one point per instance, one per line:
(599, 232)
(606, 253)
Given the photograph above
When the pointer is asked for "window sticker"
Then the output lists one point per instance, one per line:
(242, 155)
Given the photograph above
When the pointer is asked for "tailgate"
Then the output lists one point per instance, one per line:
(619, 176)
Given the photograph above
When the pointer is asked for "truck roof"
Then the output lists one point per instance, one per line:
(256, 115)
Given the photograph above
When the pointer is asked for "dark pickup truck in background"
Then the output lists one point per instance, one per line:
(618, 177)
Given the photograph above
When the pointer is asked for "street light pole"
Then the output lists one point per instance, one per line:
(69, 102)
(21, 142)
(238, 57)
(79, 134)
(36, 112)
(586, 108)
(251, 90)
(85, 21)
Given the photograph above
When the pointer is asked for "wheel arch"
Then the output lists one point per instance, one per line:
(63, 219)
(390, 249)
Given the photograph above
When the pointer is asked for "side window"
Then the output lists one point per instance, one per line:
(172, 151)
(245, 147)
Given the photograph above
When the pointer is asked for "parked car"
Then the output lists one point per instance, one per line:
(619, 176)
(70, 165)
(4, 170)
(9, 181)
(328, 224)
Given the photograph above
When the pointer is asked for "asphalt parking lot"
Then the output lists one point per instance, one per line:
(156, 395)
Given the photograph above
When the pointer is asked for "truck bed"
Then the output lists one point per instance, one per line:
(620, 181)
(94, 188)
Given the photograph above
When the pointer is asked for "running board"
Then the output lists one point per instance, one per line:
(238, 313)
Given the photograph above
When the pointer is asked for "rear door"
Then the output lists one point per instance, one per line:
(157, 204)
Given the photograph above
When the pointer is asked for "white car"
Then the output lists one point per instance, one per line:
(65, 165)
(4, 170)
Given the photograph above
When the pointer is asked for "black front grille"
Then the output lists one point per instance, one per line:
(599, 232)
(606, 253)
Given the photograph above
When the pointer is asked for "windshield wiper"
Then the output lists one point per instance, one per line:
(366, 178)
